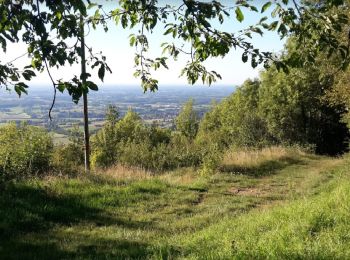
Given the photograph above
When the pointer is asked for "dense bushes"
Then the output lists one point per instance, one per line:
(29, 151)
(69, 158)
(130, 142)
(295, 110)
(275, 109)
(24, 150)
(282, 109)
(236, 122)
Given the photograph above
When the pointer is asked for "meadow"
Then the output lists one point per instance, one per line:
(276, 203)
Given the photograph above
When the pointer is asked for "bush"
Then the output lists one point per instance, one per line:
(128, 141)
(145, 156)
(24, 150)
(104, 144)
(106, 141)
(211, 157)
(69, 158)
(187, 120)
(183, 152)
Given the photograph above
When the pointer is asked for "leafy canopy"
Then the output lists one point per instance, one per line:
(46, 27)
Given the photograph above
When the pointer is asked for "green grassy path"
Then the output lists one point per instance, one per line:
(173, 215)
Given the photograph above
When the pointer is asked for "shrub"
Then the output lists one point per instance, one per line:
(104, 144)
(128, 141)
(144, 155)
(24, 150)
(211, 157)
(69, 158)
(106, 141)
(187, 121)
(183, 151)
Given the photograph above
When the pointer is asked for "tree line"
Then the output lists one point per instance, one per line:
(305, 107)
(46, 27)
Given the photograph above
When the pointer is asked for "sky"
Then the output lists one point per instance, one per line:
(120, 56)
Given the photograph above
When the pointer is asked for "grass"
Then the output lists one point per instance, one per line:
(309, 228)
(276, 203)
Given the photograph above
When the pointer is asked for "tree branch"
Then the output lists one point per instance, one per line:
(54, 87)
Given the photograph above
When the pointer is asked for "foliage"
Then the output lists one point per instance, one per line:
(105, 141)
(211, 159)
(295, 107)
(24, 150)
(46, 28)
(145, 156)
(112, 115)
(338, 95)
(192, 23)
(187, 120)
(183, 151)
(49, 26)
(302, 107)
(130, 142)
(68, 158)
(235, 121)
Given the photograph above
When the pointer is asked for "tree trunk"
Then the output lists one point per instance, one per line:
(85, 100)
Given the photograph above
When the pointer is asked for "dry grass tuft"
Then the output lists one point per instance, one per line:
(121, 172)
(185, 176)
(250, 158)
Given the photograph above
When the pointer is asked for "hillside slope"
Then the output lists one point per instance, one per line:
(279, 203)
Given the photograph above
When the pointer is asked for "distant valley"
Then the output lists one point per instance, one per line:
(159, 107)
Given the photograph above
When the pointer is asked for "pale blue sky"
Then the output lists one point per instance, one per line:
(115, 46)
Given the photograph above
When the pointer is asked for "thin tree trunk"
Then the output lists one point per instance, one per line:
(85, 100)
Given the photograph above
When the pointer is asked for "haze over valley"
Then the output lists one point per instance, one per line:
(160, 107)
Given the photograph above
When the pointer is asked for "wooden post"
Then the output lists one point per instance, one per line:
(85, 100)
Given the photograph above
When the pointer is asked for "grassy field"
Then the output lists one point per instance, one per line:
(276, 203)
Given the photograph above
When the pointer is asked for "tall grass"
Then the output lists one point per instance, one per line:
(246, 158)
(121, 172)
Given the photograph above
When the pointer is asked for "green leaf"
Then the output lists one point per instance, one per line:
(163, 62)
(14, 77)
(101, 72)
(239, 14)
(20, 88)
(263, 19)
(28, 74)
(61, 87)
(257, 30)
(91, 5)
(273, 26)
(244, 57)
(265, 6)
(132, 40)
(169, 30)
(253, 8)
(59, 15)
(91, 85)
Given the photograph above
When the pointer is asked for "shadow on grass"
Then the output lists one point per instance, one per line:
(27, 211)
(263, 169)
(83, 248)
